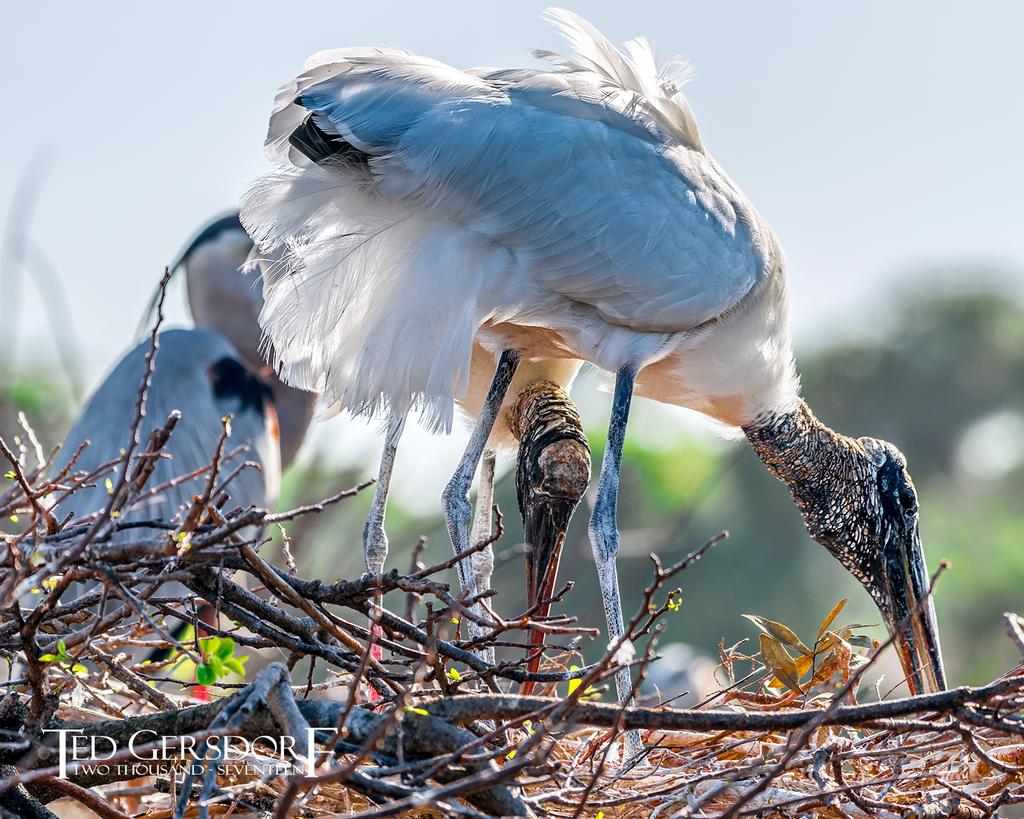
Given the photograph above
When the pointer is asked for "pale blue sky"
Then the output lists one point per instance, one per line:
(875, 137)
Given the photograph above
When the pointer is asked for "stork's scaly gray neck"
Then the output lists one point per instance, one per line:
(831, 477)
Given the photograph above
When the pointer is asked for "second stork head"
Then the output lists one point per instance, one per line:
(858, 501)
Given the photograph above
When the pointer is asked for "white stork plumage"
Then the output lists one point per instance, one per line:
(430, 216)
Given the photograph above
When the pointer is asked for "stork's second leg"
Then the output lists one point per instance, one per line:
(483, 559)
(375, 541)
(604, 533)
(455, 498)
(552, 475)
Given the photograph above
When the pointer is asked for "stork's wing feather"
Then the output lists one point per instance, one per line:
(648, 233)
(633, 79)
(447, 198)
(187, 367)
(385, 90)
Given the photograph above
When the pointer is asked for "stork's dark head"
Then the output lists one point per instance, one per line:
(858, 501)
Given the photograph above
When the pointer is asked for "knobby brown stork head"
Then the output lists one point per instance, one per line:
(857, 500)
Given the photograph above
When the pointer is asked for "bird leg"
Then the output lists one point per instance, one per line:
(552, 475)
(375, 541)
(483, 559)
(455, 498)
(604, 534)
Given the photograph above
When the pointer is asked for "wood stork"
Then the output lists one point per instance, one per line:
(550, 217)
(206, 373)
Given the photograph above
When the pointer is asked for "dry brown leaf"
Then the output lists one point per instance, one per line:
(836, 662)
(779, 662)
(832, 639)
(838, 607)
(803, 665)
(779, 631)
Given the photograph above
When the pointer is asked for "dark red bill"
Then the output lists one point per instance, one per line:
(541, 574)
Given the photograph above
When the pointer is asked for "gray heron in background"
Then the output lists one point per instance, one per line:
(206, 373)
(201, 375)
(549, 217)
(222, 299)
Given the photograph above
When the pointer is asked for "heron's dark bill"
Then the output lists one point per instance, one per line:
(911, 617)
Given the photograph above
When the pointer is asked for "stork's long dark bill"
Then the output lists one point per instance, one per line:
(911, 617)
(544, 530)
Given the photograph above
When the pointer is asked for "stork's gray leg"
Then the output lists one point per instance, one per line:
(604, 532)
(375, 542)
(455, 498)
(483, 561)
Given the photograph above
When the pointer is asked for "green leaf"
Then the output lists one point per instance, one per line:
(48, 658)
(217, 666)
(205, 675)
(225, 648)
(236, 664)
(208, 645)
(423, 712)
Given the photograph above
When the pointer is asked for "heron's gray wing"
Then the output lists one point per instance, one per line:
(199, 374)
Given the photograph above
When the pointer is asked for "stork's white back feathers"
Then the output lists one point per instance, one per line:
(420, 207)
(634, 79)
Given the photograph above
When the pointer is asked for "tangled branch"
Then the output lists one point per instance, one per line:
(100, 659)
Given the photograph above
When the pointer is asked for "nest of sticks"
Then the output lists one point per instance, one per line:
(367, 697)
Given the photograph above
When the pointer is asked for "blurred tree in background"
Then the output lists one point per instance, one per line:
(942, 377)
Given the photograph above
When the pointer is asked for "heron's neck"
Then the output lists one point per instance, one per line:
(803, 453)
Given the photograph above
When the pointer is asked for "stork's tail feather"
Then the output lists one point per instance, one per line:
(398, 238)
(359, 306)
(654, 89)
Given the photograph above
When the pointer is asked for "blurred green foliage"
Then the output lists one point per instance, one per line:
(926, 376)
